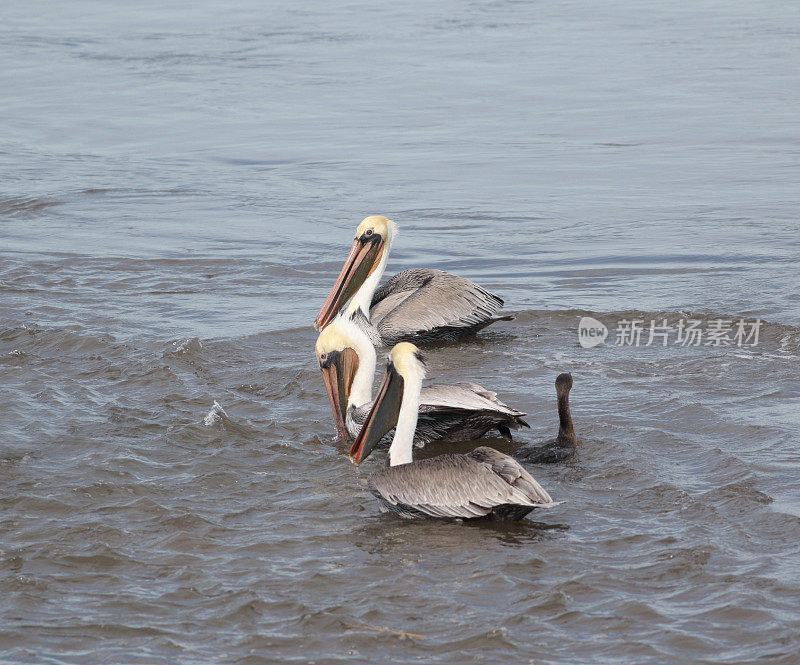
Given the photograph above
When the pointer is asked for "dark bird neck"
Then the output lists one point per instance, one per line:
(566, 433)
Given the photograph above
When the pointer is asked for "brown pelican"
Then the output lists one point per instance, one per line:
(459, 412)
(563, 446)
(419, 304)
(483, 483)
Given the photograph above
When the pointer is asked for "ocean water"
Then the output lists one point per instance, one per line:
(179, 186)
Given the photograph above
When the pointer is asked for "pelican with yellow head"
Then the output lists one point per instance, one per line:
(457, 412)
(420, 304)
(482, 484)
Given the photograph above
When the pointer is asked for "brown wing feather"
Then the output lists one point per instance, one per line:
(468, 396)
(458, 485)
(512, 472)
(422, 299)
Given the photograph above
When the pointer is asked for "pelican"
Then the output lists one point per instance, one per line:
(483, 483)
(563, 446)
(459, 412)
(420, 304)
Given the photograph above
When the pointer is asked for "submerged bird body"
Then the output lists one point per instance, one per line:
(552, 452)
(457, 412)
(563, 446)
(483, 483)
(420, 304)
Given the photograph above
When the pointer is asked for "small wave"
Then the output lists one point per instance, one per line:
(789, 344)
(24, 205)
(737, 494)
(15, 459)
(14, 357)
(64, 340)
(216, 416)
(190, 345)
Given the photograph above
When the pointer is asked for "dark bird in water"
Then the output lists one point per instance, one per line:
(418, 305)
(563, 446)
(483, 483)
(458, 412)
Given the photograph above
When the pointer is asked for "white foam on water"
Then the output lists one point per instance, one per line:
(186, 345)
(215, 416)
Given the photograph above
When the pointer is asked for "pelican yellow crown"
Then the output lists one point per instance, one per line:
(331, 339)
(377, 224)
(406, 357)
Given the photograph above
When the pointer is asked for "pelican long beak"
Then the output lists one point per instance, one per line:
(382, 417)
(364, 256)
(338, 371)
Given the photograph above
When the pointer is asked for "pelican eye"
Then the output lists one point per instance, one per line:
(368, 232)
(323, 356)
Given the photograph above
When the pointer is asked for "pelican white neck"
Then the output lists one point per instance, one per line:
(362, 299)
(406, 362)
(361, 389)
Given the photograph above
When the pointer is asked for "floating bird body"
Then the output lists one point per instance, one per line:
(563, 446)
(482, 484)
(458, 412)
(420, 305)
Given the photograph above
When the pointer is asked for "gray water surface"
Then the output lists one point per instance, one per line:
(178, 188)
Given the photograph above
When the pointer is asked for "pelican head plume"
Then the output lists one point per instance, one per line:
(346, 359)
(364, 265)
(408, 361)
(397, 405)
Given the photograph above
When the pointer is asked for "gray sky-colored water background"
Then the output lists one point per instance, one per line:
(179, 185)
